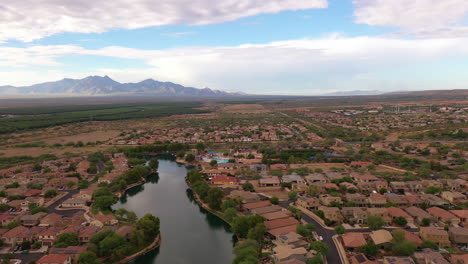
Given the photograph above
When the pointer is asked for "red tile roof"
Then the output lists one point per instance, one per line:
(281, 223)
(53, 259)
(254, 205)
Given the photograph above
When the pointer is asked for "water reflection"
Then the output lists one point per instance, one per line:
(190, 234)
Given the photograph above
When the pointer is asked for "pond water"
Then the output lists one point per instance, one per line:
(190, 234)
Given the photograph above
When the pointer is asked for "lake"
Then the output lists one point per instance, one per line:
(190, 234)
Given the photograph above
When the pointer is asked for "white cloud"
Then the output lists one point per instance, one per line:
(303, 66)
(27, 20)
(424, 18)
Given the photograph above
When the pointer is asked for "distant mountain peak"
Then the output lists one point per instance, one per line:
(104, 85)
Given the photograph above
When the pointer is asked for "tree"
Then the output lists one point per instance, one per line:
(83, 184)
(433, 190)
(190, 157)
(70, 184)
(404, 248)
(213, 162)
(248, 187)
(200, 147)
(398, 235)
(305, 230)
(66, 239)
(313, 190)
(320, 247)
(292, 195)
(340, 230)
(13, 224)
(242, 224)
(228, 203)
(201, 188)
(229, 214)
(401, 221)
(425, 222)
(257, 232)
(375, 222)
(154, 164)
(274, 200)
(369, 249)
(87, 257)
(50, 193)
(26, 245)
(246, 252)
(214, 198)
(317, 259)
(429, 244)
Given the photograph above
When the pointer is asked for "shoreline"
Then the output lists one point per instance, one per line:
(155, 244)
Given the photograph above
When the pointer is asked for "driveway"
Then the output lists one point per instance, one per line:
(333, 256)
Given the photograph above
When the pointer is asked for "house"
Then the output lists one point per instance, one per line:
(310, 203)
(376, 200)
(327, 199)
(292, 178)
(31, 220)
(49, 236)
(366, 187)
(245, 197)
(282, 230)
(395, 212)
(382, 212)
(52, 219)
(14, 236)
(413, 200)
(415, 186)
(397, 200)
(284, 253)
(381, 237)
(462, 215)
(364, 177)
(101, 220)
(224, 180)
(315, 178)
(331, 213)
(276, 215)
(417, 213)
(397, 260)
(459, 235)
(272, 181)
(255, 205)
(412, 237)
(459, 258)
(430, 256)
(292, 239)
(74, 202)
(433, 200)
(353, 240)
(267, 209)
(361, 259)
(292, 261)
(73, 251)
(356, 199)
(399, 187)
(436, 235)
(278, 223)
(55, 259)
(443, 216)
(354, 215)
(453, 197)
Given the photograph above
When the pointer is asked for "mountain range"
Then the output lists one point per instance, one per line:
(97, 85)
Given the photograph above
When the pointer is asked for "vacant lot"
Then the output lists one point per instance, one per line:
(245, 109)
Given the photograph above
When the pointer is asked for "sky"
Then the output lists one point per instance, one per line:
(287, 47)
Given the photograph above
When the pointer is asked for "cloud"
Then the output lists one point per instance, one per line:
(178, 34)
(302, 66)
(422, 18)
(27, 20)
